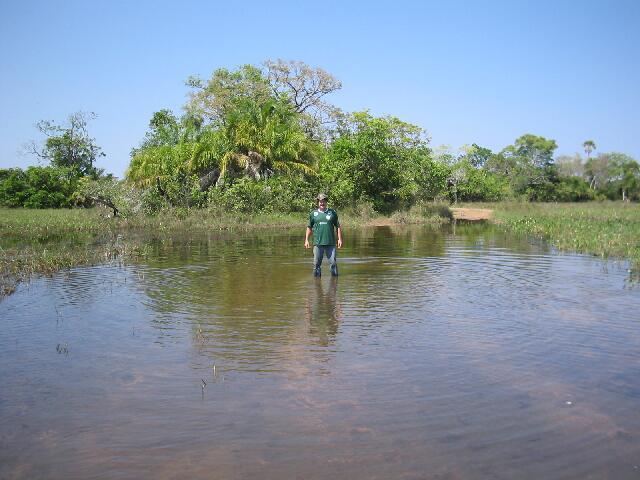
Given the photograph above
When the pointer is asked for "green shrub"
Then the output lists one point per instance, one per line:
(13, 187)
(244, 196)
(432, 209)
(292, 194)
(276, 194)
(152, 201)
(573, 189)
(363, 211)
(38, 187)
(481, 185)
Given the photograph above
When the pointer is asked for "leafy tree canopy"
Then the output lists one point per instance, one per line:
(70, 145)
(526, 163)
(38, 187)
(219, 96)
(237, 124)
(377, 159)
(478, 156)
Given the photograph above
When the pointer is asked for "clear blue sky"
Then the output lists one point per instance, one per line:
(468, 72)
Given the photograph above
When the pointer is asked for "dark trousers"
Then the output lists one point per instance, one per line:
(319, 251)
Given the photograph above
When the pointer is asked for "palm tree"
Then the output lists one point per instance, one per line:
(256, 139)
(192, 155)
(589, 146)
(153, 163)
(265, 138)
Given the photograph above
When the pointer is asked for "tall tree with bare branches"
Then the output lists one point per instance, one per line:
(306, 88)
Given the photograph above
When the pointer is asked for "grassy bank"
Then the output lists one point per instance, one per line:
(606, 229)
(42, 225)
(45, 224)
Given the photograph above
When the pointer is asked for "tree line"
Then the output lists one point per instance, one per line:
(266, 139)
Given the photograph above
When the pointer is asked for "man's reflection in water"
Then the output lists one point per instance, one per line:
(324, 310)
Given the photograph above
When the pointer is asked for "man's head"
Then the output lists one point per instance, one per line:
(322, 200)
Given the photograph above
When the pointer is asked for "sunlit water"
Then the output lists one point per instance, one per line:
(435, 354)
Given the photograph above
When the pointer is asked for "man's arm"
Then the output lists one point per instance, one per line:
(337, 224)
(306, 238)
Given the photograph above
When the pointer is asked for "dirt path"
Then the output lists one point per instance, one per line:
(472, 213)
(379, 222)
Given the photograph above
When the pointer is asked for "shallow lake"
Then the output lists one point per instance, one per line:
(449, 354)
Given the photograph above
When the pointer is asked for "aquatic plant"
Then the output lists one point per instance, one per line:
(606, 229)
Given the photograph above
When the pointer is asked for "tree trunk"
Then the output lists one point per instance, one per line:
(254, 165)
(100, 200)
(209, 179)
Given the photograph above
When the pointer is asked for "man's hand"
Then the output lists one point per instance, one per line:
(307, 235)
(339, 243)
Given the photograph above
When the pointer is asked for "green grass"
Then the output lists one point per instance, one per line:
(45, 224)
(35, 225)
(606, 229)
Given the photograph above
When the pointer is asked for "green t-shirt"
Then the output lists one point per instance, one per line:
(323, 225)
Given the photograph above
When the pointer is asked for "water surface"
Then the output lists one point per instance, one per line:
(436, 354)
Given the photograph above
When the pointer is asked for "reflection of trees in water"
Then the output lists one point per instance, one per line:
(256, 290)
(207, 275)
(252, 300)
(394, 265)
(245, 299)
(401, 241)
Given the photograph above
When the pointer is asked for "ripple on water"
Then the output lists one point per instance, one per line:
(465, 356)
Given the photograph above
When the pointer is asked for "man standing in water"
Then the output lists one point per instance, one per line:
(323, 223)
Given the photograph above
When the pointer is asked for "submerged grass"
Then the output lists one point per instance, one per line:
(606, 229)
(19, 260)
